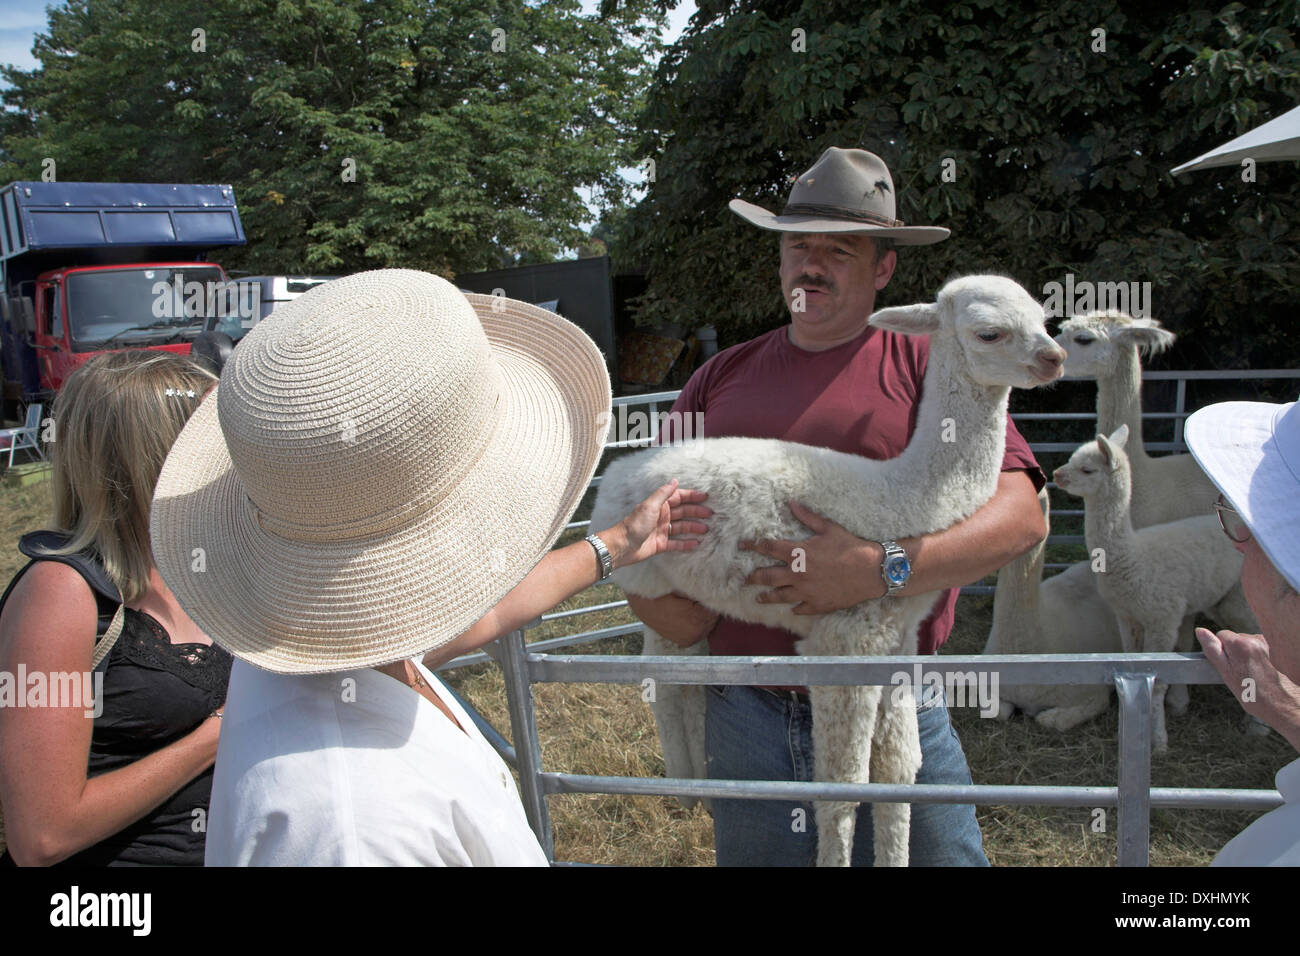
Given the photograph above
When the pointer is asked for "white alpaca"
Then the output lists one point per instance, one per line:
(1063, 614)
(986, 335)
(1154, 577)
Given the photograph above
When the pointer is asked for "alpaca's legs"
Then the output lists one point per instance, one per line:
(679, 715)
(1160, 640)
(1065, 718)
(1176, 696)
(843, 718)
(895, 758)
(1130, 638)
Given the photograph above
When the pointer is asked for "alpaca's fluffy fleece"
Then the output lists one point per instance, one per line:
(986, 336)
(1153, 577)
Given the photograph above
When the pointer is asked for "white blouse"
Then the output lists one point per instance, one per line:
(357, 769)
(1273, 839)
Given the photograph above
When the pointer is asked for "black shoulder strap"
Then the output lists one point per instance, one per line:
(38, 544)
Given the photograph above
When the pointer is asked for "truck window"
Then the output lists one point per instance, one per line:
(53, 308)
(137, 307)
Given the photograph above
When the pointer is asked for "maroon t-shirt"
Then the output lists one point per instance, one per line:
(860, 397)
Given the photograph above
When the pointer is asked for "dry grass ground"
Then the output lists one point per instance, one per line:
(608, 729)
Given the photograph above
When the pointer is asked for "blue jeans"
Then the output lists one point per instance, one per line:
(752, 734)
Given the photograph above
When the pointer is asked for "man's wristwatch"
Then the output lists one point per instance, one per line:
(895, 568)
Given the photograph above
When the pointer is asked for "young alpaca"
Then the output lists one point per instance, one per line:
(1153, 577)
(986, 336)
(1060, 615)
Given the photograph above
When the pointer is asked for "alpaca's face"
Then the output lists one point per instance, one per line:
(1089, 470)
(1084, 474)
(1099, 343)
(1001, 330)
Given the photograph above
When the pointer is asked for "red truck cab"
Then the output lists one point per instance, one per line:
(83, 311)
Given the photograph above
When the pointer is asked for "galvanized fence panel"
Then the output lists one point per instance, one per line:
(1132, 675)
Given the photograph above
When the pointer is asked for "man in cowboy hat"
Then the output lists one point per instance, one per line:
(1251, 451)
(829, 379)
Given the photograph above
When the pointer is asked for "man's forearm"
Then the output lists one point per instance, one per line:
(1007, 526)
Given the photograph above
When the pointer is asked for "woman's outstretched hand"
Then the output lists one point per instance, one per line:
(658, 524)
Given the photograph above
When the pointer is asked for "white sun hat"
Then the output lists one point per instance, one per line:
(1251, 451)
(384, 459)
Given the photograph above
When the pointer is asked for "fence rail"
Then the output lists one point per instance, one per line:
(1132, 675)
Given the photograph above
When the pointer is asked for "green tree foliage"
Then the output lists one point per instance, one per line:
(468, 145)
(1061, 153)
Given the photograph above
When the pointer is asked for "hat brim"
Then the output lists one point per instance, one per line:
(1235, 443)
(293, 606)
(902, 235)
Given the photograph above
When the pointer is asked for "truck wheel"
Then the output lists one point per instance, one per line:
(211, 349)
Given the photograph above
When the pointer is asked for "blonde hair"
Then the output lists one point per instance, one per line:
(114, 422)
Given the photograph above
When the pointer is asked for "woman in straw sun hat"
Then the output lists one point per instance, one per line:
(380, 476)
(1251, 451)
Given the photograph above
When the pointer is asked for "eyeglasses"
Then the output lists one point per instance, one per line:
(1231, 522)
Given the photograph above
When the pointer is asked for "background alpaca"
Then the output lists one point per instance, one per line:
(1156, 576)
(986, 335)
(1063, 614)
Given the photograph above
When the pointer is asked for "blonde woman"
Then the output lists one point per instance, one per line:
(122, 779)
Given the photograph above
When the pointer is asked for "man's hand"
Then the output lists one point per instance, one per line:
(1243, 662)
(829, 571)
(674, 617)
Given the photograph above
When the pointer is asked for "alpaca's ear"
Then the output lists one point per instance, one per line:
(919, 319)
(1147, 335)
(1109, 452)
(1119, 437)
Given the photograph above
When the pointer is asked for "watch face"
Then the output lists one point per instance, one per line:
(897, 569)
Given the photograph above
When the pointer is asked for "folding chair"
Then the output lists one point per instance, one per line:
(27, 436)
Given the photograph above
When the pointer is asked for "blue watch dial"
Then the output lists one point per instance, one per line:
(898, 569)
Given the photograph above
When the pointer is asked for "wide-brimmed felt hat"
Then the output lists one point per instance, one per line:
(1251, 451)
(383, 460)
(847, 190)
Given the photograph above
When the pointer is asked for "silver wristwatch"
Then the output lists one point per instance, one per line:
(602, 555)
(895, 568)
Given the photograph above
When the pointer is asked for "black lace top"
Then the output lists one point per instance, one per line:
(155, 692)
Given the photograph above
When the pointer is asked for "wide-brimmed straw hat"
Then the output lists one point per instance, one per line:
(1251, 451)
(383, 460)
(847, 190)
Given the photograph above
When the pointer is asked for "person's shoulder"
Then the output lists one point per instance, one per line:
(53, 606)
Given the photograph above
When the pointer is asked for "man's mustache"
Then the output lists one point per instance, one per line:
(808, 282)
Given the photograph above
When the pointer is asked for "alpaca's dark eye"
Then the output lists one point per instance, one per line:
(1088, 471)
(988, 336)
(1083, 340)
